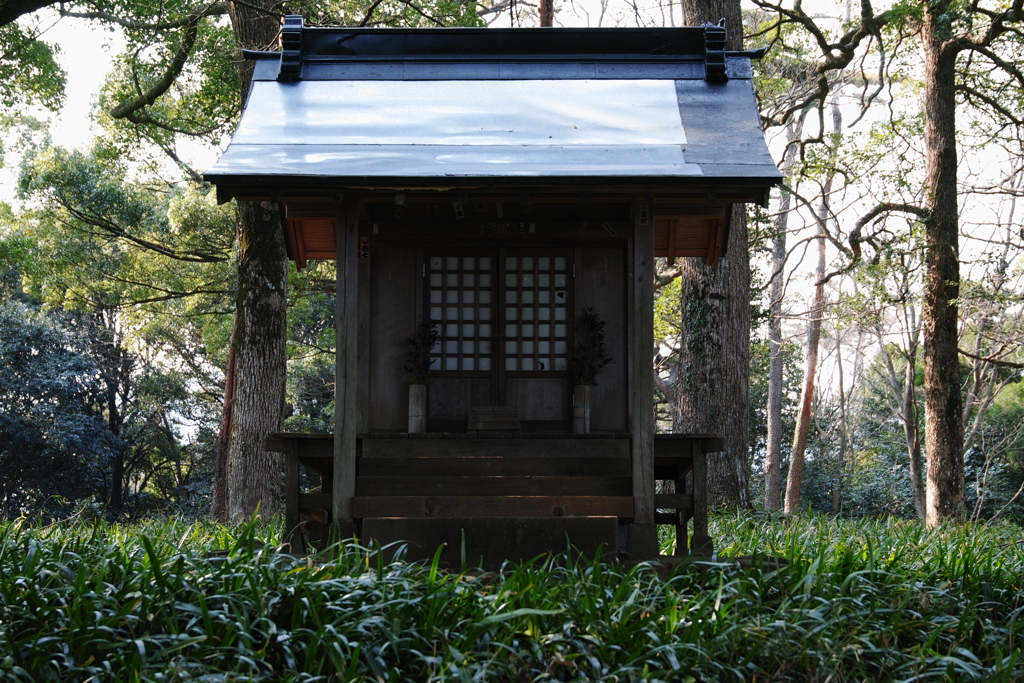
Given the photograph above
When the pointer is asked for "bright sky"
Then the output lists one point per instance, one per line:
(86, 53)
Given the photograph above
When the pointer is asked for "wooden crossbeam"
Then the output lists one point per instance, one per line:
(491, 506)
(493, 486)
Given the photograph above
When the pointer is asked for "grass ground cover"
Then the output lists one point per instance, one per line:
(859, 600)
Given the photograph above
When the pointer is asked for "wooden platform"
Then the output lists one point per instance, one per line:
(464, 476)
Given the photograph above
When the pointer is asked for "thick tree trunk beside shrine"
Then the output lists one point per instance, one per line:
(714, 381)
(254, 403)
(254, 476)
(943, 401)
(715, 362)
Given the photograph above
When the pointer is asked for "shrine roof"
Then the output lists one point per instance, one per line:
(484, 107)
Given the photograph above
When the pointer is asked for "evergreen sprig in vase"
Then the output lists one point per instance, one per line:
(588, 360)
(417, 370)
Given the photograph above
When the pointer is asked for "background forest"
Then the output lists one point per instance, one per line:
(121, 277)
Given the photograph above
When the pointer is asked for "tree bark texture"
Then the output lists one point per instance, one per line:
(254, 476)
(255, 28)
(943, 402)
(546, 10)
(713, 394)
(713, 380)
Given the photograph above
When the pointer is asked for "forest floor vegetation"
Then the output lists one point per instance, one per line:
(866, 599)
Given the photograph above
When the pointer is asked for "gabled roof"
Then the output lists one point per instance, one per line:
(480, 107)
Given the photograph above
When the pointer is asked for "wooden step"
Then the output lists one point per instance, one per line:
(505, 448)
(493, 418)
(491, 506)
(485, 465)
(493, 486)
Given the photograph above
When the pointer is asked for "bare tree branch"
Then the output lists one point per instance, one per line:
(12, 9)
(998, 362)
(127, 110)
(217, 8)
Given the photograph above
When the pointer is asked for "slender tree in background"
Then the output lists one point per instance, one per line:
(946, 31)
(776, 350)
(546, 10)
(943, 429)
(815, 315)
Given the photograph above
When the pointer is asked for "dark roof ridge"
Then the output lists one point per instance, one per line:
(303, 45)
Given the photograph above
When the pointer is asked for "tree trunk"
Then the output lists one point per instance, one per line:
(714, 377)
(219, 504)
(116, 498)
(794, 479)
(844, 432)
(776, 360)
(254, 476)
(943, 402)
(911, 433)
(546, 10)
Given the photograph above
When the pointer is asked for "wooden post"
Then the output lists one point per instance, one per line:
(701, 541)
(363, 345)
(683, 517)
(643, 533)
(291, 499)
(346, 408)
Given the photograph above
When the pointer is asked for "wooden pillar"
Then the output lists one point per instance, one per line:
(643, 534)
(363, 345)
(291, 499)
(702, 543)
(346, 407)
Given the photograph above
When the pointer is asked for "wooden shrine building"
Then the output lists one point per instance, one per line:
(499, 183)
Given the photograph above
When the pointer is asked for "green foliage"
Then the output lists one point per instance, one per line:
(878, 600)
(203, 103)
(148, 268)
(590, 355)
(994, 463)
(54, 444)
(387, 13)
(417, 361)
(760, 357)
(29, 74)
(666, 313)
(311, 395)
